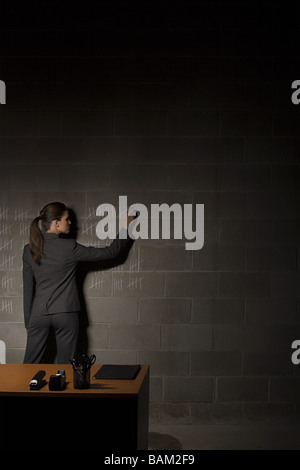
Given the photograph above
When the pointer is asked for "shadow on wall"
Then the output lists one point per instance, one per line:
(158, 441)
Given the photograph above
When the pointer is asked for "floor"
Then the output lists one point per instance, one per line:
(231, 437)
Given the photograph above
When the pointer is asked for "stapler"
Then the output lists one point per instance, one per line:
(37, 381)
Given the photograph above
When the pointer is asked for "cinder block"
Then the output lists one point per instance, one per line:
(165, 149)
(270, 413)
(11, 281)
(250, 43)
(285, 177)
(200, 69)
(97, 336)
(193, 123)
(59, 150)
(154, 256)
(94, 198)
(214, 363)
(202, 413)
(165, 363)
(243, 231)
(227, 96)
(208, 43)
(173, 413)
(218, 150)
(164, 96)
(137, 177)
(286, 123)
(244, 69)
(221, 204)
(282, 337)
(219, 258)
(218, 311)
(11, 307)
(228, 413)
(115, 356)
(271, 312)
(236, 285)
(47, 123)
(262, 98)
(285, 389)
(188, 389)
(273, 150)
(247, 178)
(111, 150)
(156, 389)
(141, 123)
(191, 285)
(136, 337)
(5, 177)
(17, 150)
(165, 43)
(165, 310)
(35, 177)
(191, 177)
(164, 196)
(15, 355)
(13, 335)
(246, 123)
(285, 232)
(134, 70)
(111, 310)
(271, 258)
(241, 337)
(97, 285)
(284, 284)
(186, 337)
(87, 123)
(272, 205)
(85, 177)
(17, 123)
(240, 389)
(267, 363)
(138, 284)
(197, 16)
(72, 199)
(211, 230)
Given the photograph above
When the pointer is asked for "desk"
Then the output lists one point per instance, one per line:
(111, 415)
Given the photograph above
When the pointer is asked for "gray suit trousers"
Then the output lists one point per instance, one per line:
(66, 332)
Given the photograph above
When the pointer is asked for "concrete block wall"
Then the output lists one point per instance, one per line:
(186, 102)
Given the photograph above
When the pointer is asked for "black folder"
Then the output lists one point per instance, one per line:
(117, 372)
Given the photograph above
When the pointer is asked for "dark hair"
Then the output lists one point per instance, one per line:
(52, 211)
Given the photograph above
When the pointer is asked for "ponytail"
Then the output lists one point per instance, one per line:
(52, 211)
(36, 240)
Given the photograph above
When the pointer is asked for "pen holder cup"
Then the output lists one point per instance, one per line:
(81, 377)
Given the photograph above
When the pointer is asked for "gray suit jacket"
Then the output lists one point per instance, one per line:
(51, 286)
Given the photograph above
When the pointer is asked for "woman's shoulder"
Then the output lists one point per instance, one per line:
(26, 249)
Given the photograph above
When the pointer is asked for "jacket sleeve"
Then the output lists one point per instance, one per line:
(91, 253)
(28, 286)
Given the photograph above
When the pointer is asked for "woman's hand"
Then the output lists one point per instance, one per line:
(129, 219)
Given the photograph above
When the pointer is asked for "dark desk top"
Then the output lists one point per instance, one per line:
(15, 378)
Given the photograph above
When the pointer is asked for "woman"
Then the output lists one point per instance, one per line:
(50, 291)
